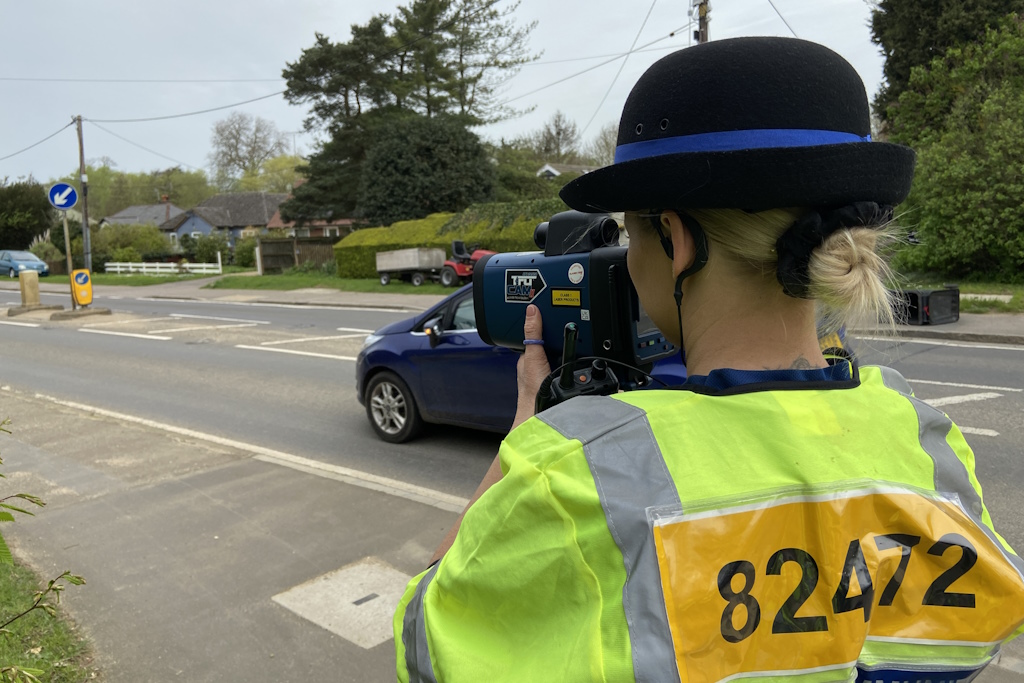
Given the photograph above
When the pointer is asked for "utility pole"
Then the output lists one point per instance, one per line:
(703, 8)
(86, 239)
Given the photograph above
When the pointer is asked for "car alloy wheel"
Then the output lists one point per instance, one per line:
(391, 408)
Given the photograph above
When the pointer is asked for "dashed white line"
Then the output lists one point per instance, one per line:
(125, 322)
(392, 487)
(214, 317)
(978, 431)
(354, 329)
(931, 342)
(310, 339)
(16, 324)
(126, 334)
(958, 384)
(296, 353)
(202, 327)
(304, 307)
(966, 398)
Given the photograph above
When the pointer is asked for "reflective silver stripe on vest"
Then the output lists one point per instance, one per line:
(630, 474)
(950, 473)
(414, 635)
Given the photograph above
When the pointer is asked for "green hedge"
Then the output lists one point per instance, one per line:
(500, 227)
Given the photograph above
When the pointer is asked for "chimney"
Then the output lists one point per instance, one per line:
(167, 207)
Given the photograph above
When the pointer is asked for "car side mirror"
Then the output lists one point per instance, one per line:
(434, 332)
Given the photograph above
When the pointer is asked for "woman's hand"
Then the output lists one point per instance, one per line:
(532, 368)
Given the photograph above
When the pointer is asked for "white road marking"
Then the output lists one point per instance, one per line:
(392, 487)
(354, 329)
(966, 398)
(309, 339)
(213, 317)
(979, 432)
(958, 384)
(355, 602)
(265, 304)
(294, 352)
(125, 322)
(15, 324)
(202, 327)
(126, 334)
(933, 342)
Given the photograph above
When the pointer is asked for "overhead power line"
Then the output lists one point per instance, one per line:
(139, 80)
(36, 144)
(621, 67)
(188, 113)
(146, 149)
(783, 19)
(598, 66)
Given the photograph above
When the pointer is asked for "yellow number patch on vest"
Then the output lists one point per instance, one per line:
(800, 583)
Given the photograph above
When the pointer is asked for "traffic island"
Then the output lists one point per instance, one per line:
(30, 308)
(79, 313)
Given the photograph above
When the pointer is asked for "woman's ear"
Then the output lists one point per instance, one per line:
(684, 251)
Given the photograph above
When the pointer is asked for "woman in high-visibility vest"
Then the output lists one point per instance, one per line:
(776, 516)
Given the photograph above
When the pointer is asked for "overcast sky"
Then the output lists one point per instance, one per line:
(251, 40)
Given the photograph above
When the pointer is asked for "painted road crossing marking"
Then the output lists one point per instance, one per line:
(214, 317)
(979, 432)
(126, 334)
(202, 327)
(310, 339)
(355, 602)
(15, 324)
(961, 385)
(966, 398)
(929, 342)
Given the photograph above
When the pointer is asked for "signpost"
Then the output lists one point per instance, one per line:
(63, 197)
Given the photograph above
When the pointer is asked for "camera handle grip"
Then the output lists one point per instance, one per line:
(565, 381)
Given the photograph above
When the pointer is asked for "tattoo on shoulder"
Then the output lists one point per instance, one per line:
(801, 363)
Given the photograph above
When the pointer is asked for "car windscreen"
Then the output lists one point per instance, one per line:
(23, 256)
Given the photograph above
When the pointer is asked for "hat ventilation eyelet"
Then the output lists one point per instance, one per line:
(664, 124)
(639, 128)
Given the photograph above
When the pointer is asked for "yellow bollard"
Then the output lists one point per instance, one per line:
(29, 282)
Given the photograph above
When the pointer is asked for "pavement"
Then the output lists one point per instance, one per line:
(208, 560)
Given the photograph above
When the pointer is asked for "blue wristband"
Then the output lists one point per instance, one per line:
(528, 342)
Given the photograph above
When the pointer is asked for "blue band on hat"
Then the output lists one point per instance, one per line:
(732, 140)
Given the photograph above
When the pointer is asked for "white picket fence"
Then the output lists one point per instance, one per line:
(119, 268)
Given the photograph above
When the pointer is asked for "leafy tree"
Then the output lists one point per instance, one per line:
(277, 174)
(245, 252)
(25, 213)
(516, 177)
(127, 243)
(965, 116)
(47, 252)
(433, 58)
(242, 143)
(207, 247)
(187, 244)
(111, 190)
(602, 148)
(912, 33)
(424, 166)
(558, 140)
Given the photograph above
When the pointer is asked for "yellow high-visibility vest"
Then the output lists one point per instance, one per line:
(803, 531)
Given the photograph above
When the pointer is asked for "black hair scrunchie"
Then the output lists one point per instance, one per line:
(795, 245)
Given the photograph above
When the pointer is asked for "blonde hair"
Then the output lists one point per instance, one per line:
(848, 274)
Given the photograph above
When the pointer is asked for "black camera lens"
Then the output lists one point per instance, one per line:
(540, 234)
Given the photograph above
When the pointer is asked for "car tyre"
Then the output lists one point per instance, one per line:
(417, 279)
(391, 408)
(449, 278)
(12, 273)
(385, 278)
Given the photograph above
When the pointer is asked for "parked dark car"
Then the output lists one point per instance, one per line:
(14, 262)
(404, 381)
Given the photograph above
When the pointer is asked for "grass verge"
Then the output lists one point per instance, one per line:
(292, 281)
(39, 641)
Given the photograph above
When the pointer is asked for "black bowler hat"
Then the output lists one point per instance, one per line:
(746, 123)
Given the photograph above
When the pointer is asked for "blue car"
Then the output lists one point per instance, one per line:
(404, 380)
(14, 262)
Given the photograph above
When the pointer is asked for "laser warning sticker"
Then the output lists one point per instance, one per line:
(523, 285)
(565, 297)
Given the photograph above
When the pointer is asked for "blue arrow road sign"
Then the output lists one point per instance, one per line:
(82, 278)
(63, 196)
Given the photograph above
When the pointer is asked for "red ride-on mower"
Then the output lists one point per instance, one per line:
(459, 268)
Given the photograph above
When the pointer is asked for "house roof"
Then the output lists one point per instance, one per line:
(145, 214)
(240, 209)
(551, 170)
